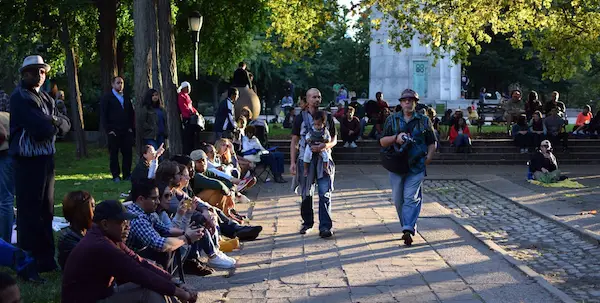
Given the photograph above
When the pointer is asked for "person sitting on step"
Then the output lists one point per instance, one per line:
(583, 120)
(350, 128)
(460, 136)
(521, 135)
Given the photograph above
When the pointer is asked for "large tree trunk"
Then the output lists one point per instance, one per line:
(107, 47)
(76, 110)
(168, 63)
(154, 43)
(144, 19)
(107, 44)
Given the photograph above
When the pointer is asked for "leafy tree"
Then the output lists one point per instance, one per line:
(564, 34)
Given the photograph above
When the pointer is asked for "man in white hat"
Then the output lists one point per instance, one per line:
(34, 124)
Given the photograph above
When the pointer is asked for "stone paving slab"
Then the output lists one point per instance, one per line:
(364, 261)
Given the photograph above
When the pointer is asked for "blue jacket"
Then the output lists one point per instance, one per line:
(222, 115)
(32, 132)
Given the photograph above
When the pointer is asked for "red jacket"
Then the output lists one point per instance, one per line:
(186, 108)
(454, 133)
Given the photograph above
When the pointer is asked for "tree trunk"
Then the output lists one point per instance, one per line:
(215, 93)
(168, 64)
(76, 110)
(107, 46)
(144, 20)
(155, 44)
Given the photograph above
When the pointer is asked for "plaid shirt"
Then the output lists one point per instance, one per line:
(146, 230)
(4, 102)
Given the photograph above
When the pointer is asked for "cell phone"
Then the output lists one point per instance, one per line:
(187, 204)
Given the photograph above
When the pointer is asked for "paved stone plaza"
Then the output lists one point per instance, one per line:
(365, 261)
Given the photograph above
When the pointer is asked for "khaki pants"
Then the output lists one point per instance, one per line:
(217, 199)
(130, 292)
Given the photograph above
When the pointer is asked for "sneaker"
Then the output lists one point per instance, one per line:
(242, 199)
(325, 234)
(220, 260)
(229, 245)
(196, 268)
(116, 180)
(346, 145)
(353, 145)
(305, 230)
(245, 183)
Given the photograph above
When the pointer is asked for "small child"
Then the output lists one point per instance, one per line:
(318, 134)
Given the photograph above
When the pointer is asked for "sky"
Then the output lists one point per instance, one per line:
(346, 3)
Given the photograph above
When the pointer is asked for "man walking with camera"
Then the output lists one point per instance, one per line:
(409, 140)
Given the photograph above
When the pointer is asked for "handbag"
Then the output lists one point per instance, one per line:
(394, 158)
(197, 121)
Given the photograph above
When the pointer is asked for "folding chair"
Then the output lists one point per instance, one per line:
(261, 169)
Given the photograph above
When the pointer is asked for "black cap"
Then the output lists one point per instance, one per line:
(111, 210)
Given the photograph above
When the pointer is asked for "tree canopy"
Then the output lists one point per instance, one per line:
(564, 34)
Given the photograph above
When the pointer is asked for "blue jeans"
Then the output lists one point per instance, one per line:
(7, 197)
(462, 140)
(306, 209)
(407, 196)
(155, 143)
(275, 160)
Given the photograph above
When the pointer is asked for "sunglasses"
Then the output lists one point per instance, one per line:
(546, 146)
(168, 195)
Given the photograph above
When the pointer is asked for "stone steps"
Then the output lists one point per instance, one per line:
(484, 152)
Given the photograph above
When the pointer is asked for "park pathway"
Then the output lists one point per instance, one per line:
(364, 261)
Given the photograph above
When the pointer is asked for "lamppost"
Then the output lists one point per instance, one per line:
(195, 24)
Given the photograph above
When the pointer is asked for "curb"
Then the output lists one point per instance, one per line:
(587, 235)
(516, 263)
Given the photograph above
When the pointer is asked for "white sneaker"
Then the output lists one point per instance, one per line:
(220, 260)
(353, 145)
(242, 199)
(346, 145)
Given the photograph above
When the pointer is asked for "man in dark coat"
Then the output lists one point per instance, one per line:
(241, 77)
(117, 116)
(34, 124)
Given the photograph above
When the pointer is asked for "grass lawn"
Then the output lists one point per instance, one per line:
(90, 174)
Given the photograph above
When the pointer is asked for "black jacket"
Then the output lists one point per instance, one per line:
(115, 117)
(241, 78)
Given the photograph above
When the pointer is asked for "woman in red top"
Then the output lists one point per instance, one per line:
(460, 136)
(186, 109)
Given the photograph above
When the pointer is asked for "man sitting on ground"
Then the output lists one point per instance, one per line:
(101, 257)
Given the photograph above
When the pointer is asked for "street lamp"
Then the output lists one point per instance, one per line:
(195, 23)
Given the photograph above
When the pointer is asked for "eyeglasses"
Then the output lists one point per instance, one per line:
(153, 198)
(546, 146)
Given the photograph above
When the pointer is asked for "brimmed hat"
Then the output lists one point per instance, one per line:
(34, 61)
(197, 155)
(546, 142)
(112, 210)
(409, 94)
(185, 84)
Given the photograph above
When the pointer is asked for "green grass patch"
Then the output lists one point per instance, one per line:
(561, 184)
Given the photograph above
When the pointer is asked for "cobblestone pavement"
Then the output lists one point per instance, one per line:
(364, 261)
(561, 256)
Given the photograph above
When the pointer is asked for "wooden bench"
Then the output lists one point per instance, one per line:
(490, 112)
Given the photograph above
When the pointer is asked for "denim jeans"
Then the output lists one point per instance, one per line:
(407, 196)
(275, 160)
(7, 197)
(462, 140)
(306, 210)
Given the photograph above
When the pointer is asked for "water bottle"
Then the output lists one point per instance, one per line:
(529, 173)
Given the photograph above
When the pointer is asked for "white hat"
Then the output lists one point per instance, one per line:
(546, 142)
(184, 84)
(35, 60)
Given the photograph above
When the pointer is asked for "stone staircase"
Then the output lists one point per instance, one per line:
(485, 152)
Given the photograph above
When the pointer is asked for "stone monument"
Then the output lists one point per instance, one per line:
(391, 71)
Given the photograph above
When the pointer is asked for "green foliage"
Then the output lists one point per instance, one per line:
(564, 34)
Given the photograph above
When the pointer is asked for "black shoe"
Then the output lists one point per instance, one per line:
(197, 268)
(127, 178)
(407, 237)
(280, 179)
(305, 229)
(117, 180)
(562, 178)
(325, 234)
(248, 233)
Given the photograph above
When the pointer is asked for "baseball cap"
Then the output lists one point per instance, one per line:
(112, 210)
(409, 94)
(198, 154)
